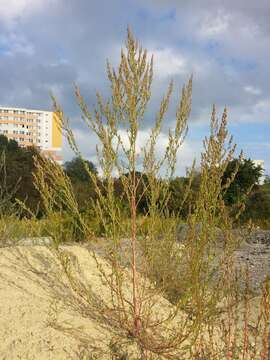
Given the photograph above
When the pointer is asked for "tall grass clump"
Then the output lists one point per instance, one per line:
(147, 260)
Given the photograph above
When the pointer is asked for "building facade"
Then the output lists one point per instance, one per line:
(33, 128)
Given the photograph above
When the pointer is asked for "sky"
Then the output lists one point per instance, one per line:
(48, 45)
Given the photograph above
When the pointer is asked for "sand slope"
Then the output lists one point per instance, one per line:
(31, 288)
(34, 293)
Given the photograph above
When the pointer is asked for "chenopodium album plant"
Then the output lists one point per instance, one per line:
(145, 266)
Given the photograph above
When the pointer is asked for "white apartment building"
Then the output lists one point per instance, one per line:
(33, 128)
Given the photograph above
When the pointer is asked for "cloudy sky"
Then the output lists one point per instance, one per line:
(48, 45)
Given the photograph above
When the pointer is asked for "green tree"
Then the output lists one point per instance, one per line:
(141, 196)
(12, 145)
(78, 169)
(183, 194)
(247, 176)
(8, 144)
(258, 205)
(267, 180)
(3, 142)
(19, 170)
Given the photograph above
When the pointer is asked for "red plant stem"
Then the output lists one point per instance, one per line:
(136, 305)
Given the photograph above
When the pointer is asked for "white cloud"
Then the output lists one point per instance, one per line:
(13, 44)
(256, 112)
(252, 90)
(213, 26)
(263, 106)
(11, 10)
(168, 62)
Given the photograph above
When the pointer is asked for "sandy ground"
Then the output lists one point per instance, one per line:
(32, 292)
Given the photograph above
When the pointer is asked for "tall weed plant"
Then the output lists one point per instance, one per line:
(146, 259)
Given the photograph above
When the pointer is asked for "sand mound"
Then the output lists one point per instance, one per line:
(32, 293)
